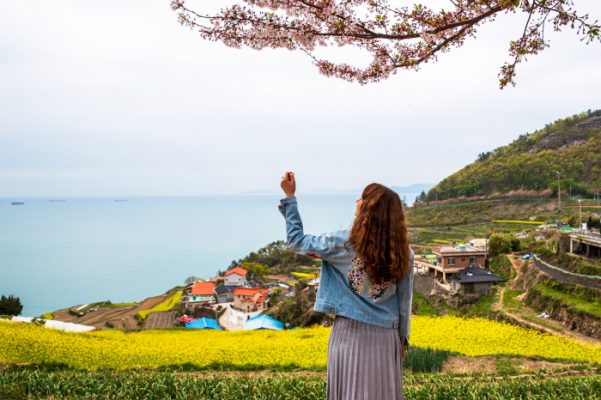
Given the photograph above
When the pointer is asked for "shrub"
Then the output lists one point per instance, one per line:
(10, 305)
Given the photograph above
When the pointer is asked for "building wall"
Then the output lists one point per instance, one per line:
(225, 297)
(235, 280)
(248, 307)
(474, 289)
(198, 299)
(461, 261)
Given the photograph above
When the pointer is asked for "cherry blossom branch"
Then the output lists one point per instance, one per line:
(396, 37)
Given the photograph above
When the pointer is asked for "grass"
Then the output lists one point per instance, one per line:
(481, 307)
(115, 305)
(20, 383)
(48, 315)
(505, 366)
(510, 303)
(501, 266)
(423, 306)
(514, 306)
(541, 321)
(574, 303)
(515, 221)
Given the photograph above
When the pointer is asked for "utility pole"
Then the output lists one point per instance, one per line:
(558, 201)
(580, 213)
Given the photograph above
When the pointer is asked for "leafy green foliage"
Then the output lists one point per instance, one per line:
(555, 296)
(70, 384)
(499, 243)
(570, 146)
(501, 266)
(10, 305)
(256, 271)
(421, 305)
(278, 257)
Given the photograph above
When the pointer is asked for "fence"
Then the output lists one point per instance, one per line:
(562, 275)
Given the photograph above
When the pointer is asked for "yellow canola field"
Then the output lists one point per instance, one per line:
(166, 305)
(301, 348)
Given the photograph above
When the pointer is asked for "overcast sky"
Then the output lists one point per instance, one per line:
(116, 98)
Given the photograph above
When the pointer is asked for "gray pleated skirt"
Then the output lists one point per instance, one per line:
(364, 362)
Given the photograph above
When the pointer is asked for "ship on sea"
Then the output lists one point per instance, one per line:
(17, 203)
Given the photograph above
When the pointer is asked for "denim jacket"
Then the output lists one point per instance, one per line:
(335, 295)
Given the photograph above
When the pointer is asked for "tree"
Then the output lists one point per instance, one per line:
(191, 279)
(10, 305)
(499, 244)
(256, 271)
(396, 37)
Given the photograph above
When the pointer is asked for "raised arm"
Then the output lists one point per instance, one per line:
(322, 245)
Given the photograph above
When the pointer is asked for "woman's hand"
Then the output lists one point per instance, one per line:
(403, 351)
(288, 183)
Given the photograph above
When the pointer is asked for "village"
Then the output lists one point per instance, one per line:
(239, 303)
(457, 273)
(451, 274)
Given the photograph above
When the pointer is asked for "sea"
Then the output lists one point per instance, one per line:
(60, 252)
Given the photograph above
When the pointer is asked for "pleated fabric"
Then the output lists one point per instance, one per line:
(364, 362)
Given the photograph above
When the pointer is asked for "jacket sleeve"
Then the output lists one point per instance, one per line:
(405, 291)
(321, 246)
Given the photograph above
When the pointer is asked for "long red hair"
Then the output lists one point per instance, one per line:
(379, 235)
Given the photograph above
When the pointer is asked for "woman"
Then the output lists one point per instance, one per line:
(366, 281)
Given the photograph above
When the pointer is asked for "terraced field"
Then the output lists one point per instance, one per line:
(116, 317)
(160, 320)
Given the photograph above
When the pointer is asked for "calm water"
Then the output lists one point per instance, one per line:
(58, 254)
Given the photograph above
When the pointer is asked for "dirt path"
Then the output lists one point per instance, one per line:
(518, 265)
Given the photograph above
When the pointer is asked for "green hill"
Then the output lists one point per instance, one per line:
(570, 146)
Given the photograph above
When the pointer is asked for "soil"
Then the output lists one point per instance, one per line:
(488, 364)
(461, 364)
(117, 317)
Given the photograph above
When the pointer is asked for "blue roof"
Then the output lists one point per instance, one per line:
(263, 321)
(204, 323)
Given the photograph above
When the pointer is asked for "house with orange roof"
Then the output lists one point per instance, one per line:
(202, 291)
(236, 277)
(251, 299)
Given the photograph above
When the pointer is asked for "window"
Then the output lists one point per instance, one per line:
(451, 260)
(473, 260)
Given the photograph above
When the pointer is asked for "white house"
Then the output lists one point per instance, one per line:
(236, 277)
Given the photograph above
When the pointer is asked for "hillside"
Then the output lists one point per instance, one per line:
(570, 146)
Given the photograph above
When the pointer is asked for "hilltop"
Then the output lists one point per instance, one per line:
(570, 146)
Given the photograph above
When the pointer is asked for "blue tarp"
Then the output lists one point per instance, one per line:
(263, 321)
(204, 323)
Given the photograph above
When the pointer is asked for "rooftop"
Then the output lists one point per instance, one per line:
(225, 289)
(243, 291)
(263, 321)
(202, 288)
(459, 249)
(474, 274)
(236, 270)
